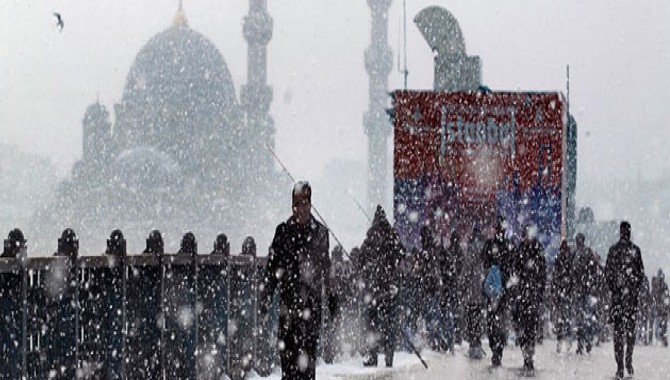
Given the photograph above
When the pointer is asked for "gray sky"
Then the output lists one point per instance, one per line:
(618, 51)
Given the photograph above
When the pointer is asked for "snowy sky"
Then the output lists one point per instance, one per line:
(618, 51)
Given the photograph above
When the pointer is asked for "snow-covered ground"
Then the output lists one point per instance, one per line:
(650, 362)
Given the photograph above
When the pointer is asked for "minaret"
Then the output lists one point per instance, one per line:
(256, 96)
(378, 63)
(95, 140)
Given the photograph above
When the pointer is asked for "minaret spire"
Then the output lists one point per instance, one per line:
(378, 64)
(256, 96)
(180, 17)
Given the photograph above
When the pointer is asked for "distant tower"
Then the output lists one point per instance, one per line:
(96, 138)
(378, 63)
(256, 97)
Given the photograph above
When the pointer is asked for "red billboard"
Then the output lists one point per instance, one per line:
(462, 158)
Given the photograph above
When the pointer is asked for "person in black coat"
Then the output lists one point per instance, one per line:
(585, 272)
(624, 272)
(660, 300)
(497, 251)
(530, 268)
(340, 280)
(562, 295)
(435, 273)
(470, 285)
(299, 265)
(451, 299)
(380, 255)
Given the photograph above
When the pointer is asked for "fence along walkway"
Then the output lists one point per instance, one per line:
(136, 317)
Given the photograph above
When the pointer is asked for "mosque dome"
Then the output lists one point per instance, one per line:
(176, 61)
(178, 94)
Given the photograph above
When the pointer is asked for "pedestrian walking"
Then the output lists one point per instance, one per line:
(624, 271)
(299, 265)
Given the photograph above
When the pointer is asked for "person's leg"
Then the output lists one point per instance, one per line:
(663, 327)
(528, 333)
(390, 331)
(372, 337)
(629, 325)
(289, 355)
(580, 318)
(494, 324)
(470, 323)
(308, 352)
(618, 337)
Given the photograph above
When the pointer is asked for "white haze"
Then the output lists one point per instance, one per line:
(618, 52)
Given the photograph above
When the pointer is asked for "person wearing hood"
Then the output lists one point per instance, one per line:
(380, 254)
(562, 295)
(624, 273)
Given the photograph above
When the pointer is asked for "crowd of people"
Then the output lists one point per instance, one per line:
(444, 293)
(384, 297)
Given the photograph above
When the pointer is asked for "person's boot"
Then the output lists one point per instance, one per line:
(629, 365)
(371, 362)
(496, 360)
(629, 358)
(528, 367)
(619, 373)
(388, 359)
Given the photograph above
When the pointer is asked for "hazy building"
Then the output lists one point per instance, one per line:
(183, 153)
(378, 64)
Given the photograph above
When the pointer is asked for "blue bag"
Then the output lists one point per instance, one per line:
(493, 287)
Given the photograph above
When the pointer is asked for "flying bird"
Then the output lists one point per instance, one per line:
(59, 21)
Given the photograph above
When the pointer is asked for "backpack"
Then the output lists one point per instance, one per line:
(493, 287)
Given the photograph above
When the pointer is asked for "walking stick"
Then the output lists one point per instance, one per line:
(411, 345)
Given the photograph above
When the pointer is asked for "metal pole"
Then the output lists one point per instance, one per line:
(316, 211)
(24, 312)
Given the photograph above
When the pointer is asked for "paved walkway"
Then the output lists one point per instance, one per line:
(651, 362)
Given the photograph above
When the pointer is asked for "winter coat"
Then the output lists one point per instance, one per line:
(624, 272)
(660, 295)
(530, 270)
(452, 268)
(432, 268)
(498, 251)
(644, 301)
(472, 276)
(562, 279)
(380, 255)
(585, 271)
(299, 264)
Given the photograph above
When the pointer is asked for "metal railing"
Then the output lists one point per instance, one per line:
(165, 316)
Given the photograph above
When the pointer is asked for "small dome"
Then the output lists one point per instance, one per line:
(145, 168)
